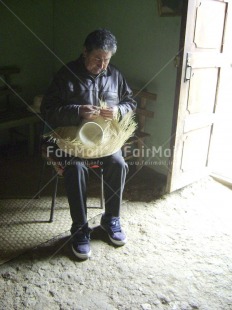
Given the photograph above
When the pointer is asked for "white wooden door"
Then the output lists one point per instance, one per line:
(197, 91)
(221, 150)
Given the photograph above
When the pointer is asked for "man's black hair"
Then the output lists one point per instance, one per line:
(101, 39)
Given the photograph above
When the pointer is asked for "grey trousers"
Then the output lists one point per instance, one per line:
(76, 177)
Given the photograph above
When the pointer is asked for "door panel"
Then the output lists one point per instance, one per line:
(202, 90)
(210, 17)
(195, 149)
(196, 95)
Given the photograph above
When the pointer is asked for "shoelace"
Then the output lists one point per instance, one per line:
(83, 235)
(115, 225)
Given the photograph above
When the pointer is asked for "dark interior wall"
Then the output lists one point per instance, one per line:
(39, 36)
(25, 30)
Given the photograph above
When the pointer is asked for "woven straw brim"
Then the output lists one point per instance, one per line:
(116, 133)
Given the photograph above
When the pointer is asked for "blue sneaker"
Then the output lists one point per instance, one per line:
(112, 226)
(81, 243)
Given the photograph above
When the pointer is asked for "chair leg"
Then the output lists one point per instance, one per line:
(54, 199)
(40, 181)
(102, 189)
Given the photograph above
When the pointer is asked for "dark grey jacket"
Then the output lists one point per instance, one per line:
(73, 86)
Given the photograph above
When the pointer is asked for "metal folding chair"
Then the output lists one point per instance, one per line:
(58, 174)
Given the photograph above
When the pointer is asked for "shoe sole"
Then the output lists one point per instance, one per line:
(82, 255)
(116, 242)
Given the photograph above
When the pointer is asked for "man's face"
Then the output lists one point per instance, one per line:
(96, 61)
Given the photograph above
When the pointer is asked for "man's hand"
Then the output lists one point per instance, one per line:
(109, 113)
(89, 112)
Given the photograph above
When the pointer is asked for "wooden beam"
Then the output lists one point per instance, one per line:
(143, 94)
(145, 113)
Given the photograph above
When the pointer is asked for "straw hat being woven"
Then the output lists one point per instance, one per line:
(95, 139)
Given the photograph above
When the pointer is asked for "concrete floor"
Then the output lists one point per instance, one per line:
(178, 257)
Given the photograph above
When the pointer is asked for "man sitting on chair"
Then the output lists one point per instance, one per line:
(74, 96)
